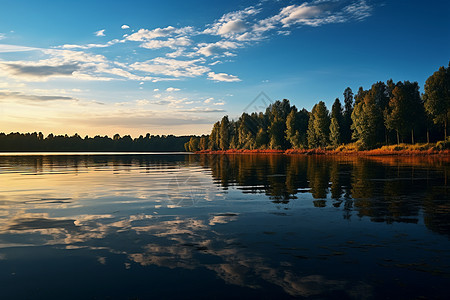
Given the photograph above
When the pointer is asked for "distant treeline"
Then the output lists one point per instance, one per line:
(37, 142)
(387, 113)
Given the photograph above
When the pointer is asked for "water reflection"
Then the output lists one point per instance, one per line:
(385, 189)
(266, 225)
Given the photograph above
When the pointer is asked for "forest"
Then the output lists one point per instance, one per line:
(37, 142)
(387, 113)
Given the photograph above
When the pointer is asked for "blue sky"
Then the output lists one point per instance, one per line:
(105, 67)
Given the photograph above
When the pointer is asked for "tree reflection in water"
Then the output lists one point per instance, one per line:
(385, 189)
(118, 206)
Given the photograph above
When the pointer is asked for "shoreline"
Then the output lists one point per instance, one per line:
(374, 152)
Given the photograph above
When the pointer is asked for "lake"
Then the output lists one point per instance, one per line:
(152, 226)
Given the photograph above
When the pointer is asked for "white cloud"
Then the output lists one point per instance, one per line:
(146, 35)
(359, 10)
(14, 48)
(100, 32)
(73, 56)
(177, 53)
(219, 103)
(249, 36)
(218, 48)
(172, 67)
(156, 90)
(2, 36)
(190, 56)
(68, 63)
(202, 110)
(266, 24)
(233, 26)
(142, 102)
(208, 100)
(283, 32)
(172, 43)
(89, 46)
(172, 89)
(296, 14)
(222, 77)
(316, 14)
(232, 22)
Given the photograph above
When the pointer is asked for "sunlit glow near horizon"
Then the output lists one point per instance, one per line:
(177, 67)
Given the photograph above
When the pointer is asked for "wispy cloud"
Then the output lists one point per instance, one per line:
(172, 43)
(89, 46)
(14, 48)
(232, 23)
(42, 71)
(172, 89)
(145, 35)
(172, 67)
(181, 52)
(202, 110)
(222, 77)
(8, 95)
(100, 32)
(218, 48)
(359, 10)
(316, 13)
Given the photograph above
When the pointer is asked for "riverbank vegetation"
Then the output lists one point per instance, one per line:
(37, 142)
(389, 117)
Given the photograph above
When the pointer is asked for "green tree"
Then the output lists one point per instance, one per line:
(337, 111)
(246, 130)
(203, 142)
(234, 143)
(262, 138)
(302, 125)
(277, 114)
(437, 97)
(364, 121)
(348, 109)
(368, 115)
(405, 111)
(214, 137)
(338, 115)
(224, 139)
(292, 131)
(276, 133)
(359, 97)
(192, 145)
(318, 126)
(335, 134)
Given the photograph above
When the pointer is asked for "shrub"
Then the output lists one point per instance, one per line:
(442, 145)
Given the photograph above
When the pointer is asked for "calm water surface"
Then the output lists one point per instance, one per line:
(249, 226)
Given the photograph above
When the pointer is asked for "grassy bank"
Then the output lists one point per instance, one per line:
(439, 148)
